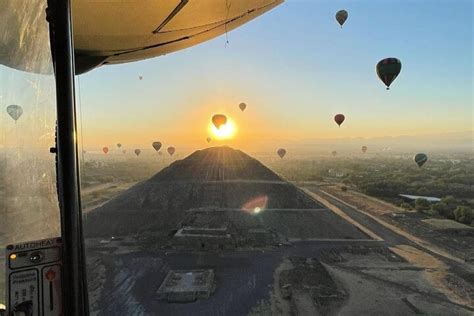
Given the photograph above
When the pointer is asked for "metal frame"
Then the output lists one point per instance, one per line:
(74, 281)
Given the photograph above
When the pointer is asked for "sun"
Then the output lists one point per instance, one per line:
(226, 131)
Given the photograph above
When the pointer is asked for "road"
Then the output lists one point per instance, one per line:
(392, 238)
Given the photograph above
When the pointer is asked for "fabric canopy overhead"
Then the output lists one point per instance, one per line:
(113, 32)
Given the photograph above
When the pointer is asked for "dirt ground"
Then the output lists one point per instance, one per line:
(95, 196)
(444, 237)
(364, 202)
(365, 281)
(437, 273)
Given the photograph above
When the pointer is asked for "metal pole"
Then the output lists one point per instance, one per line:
(74, 285)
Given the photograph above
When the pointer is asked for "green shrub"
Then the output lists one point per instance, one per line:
(422, 205)
(406, 205)
(449, 200)
(463, 214)
(443, 209)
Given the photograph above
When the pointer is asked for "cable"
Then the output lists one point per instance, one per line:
(226, 19)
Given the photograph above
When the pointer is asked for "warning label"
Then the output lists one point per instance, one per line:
(34, 278)
(24, 292)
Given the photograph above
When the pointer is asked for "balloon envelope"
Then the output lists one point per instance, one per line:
(281, 152)
(242, 106)
(388, 70)
(15, 111)
(105, 150)
(171, 150)
(156, 145)
(124, 151)
(341, 17)
(364, 149)
(420, 159)
(208, 139)
(218, 120)
(334, 153)
(119, 145)
(137, 152)
(339, 119)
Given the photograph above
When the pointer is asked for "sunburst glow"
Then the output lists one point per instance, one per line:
(226, 131)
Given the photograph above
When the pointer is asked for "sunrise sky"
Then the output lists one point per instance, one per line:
(296, 68)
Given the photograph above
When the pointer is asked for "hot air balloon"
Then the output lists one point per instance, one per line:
(388, 69)
(218, 120)
(341, 17)
(171, 150)
(124, 151)
(119, 145)
(105, 150)
(140, 77)
(281, 152)
(160, 153)
(364, 149)
(334, 153)
(242, 106)
(156, 145)
(208, 139)
(420, 159)
(15, 111)
(137, 152)
(339, 118)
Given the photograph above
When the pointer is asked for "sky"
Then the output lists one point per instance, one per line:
(295, 68)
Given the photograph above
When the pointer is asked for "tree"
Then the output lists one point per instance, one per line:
(422, 205)
(449, 200)
(463, 214)
(406, 205)
(443, 209)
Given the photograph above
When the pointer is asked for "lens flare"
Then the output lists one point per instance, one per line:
(226, 131)
(256, 205)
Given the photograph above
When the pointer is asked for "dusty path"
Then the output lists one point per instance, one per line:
(440, 265)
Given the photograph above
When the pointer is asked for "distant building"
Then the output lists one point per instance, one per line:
(410, 198)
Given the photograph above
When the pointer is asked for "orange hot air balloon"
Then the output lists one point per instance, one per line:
(105, 150)
(137, 152)
(281, 152)
(171, 150)
(218, 120)
(364, 149)
(208, 139)
(339, 118)
(242, 106)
